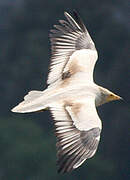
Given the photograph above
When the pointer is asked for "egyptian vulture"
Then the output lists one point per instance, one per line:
(72, 95)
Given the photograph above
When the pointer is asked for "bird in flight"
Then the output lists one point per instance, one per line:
(72, 95)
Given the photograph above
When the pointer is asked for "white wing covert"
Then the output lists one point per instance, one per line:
(70, 37)
(77, 131)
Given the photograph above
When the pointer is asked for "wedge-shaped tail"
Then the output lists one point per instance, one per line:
(33, 101)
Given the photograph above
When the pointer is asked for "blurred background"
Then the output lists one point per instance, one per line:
(27, 141)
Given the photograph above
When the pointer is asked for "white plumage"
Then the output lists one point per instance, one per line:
(72, 95)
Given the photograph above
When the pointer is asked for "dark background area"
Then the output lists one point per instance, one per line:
(27, 141)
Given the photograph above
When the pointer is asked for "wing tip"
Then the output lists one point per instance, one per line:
(76, 17)
(75, 12)
(66, 13)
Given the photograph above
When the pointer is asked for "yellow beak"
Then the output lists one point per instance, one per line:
(117, 97)
(114, 97)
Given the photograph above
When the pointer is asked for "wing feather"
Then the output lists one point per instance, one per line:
(67, 37)
(77, 137)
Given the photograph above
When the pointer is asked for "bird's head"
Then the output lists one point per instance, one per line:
(113, 97)
(107, 96)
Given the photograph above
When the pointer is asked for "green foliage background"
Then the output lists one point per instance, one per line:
(27, 141)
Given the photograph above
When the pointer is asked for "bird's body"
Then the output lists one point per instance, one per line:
(71, 96)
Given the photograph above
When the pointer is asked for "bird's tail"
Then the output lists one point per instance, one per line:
(33, 101)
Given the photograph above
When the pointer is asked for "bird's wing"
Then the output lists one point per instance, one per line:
(73, 50)
(78, 130)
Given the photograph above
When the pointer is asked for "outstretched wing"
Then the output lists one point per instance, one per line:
(78, 130)
(73, 50)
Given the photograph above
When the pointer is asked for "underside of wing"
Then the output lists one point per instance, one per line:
(67, 38)
(76, 140)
